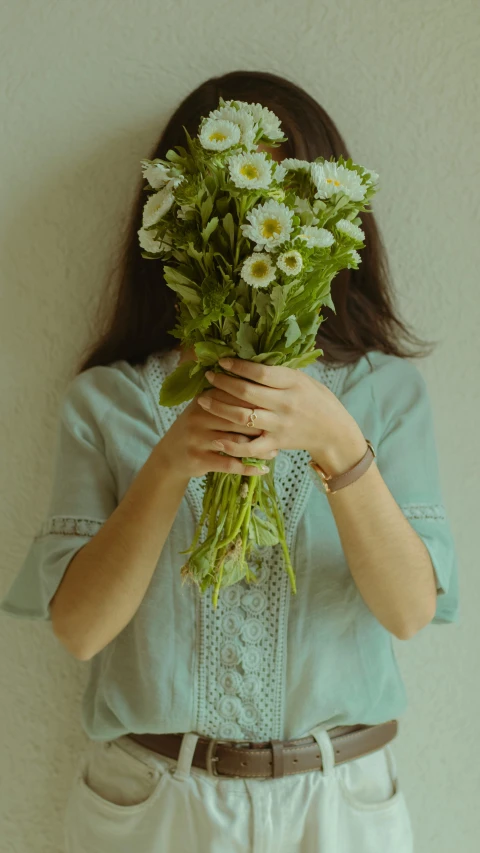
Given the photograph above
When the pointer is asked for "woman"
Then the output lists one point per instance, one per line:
(264, 724)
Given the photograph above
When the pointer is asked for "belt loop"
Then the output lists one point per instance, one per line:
(185, 755)
(278, 764)
(324, 741)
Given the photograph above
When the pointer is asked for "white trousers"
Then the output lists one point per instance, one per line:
(128, 799)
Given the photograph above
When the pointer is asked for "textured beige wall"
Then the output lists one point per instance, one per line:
(86, 88)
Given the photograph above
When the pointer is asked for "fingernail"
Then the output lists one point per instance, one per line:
(218, 445)
(264, 469)
(210, 375)
(225, 362)
(204, 402)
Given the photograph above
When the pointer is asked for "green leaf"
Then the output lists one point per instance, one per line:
(194, 253)
(179, 386)
(209, 229)
(205, 209)
(247, 339)
(303, 360)
(263, 531)
(262, 301)
(229, 227)
(293, 331)
(234, 569)
(211, 351)
(268, 358)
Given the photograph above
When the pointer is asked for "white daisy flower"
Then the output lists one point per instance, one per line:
(152, 244)
(264, 118)
(148, 241)
(290, 262)
(280, 172)
(351, 230)
(158, 175)
(316, 238)
(373, 177)
(270, 224)
(356, 259)
(218, 134)
(242, 118)
(329, 178)
(294, 165)
(250, 170)
(258, 270)
(157, 206)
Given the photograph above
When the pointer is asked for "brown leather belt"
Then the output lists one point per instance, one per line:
(273, 758)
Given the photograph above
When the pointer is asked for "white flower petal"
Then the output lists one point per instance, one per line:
(290, 262)
(330, 178)
(258, 270)
(242, 118)
(270, 224)
(218, 134)
(294, 165)
(351, 230)
(316, 238)
(157, 206)
(250, 170)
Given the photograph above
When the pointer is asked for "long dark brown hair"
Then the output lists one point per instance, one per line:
(136, 318)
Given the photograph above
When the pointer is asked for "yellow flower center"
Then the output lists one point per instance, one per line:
(217, 136)
(260, 269)
(271, 227)
(290, 261)
(333, 181)
(250, 171)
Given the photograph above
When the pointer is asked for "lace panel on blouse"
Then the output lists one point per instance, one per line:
(241, 645)
(68, 525)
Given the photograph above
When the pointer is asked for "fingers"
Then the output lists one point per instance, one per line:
(245, 391)
(230, 465)
(273, 376)
(265, 419)
(240, 445)
(212, 422)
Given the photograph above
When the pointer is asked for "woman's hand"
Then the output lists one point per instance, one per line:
(196, 437)
(293, 411)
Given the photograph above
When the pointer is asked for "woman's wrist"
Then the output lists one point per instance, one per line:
(342, 454)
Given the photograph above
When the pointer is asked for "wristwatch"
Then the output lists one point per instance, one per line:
(334, 483)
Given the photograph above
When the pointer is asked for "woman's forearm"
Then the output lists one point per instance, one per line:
(389, 562)
(107, 579)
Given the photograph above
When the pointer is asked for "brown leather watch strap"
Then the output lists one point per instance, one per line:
(334, 483)
(274, 758)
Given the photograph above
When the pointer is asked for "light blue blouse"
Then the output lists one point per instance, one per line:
(265, 664)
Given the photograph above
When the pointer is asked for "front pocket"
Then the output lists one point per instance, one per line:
(370, 783)
(118, 780)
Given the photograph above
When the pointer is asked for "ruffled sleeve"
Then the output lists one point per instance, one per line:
(83, 495)
(408, 461)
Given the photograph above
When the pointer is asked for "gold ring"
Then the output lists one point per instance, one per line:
(252, 419)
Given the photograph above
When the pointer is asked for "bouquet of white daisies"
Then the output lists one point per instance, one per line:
(250, 246)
